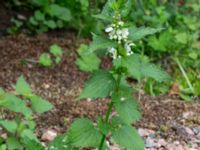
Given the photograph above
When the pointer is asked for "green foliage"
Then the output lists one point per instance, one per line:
(22, 87)
(139, 33)
(140, 68)
(99, 42)
(45, 60)
(179, 40)
(21, 128)
(55, 55)
(15, 104)
(95, 87)
(112, 82)
(44, 104)
(10, 126)
(126, 107)
(127, 137)
(49, 15)
(87, 61)
(82, 133)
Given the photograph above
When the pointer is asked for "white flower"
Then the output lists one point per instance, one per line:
(109, 29)
(113, 52)
(128, 46)
(125, 33)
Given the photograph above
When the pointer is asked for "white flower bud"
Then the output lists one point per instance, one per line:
(109, 29)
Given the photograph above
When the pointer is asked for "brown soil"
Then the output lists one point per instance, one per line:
(62, 83)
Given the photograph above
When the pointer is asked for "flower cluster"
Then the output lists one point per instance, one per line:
(119, 33)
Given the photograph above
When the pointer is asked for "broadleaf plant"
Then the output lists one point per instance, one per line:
(111, 83)
(21, 129)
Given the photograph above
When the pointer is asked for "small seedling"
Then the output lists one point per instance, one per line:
(55, 55)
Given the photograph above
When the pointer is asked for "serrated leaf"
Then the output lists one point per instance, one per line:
(15, 104)
(127, 109)
(82, 133)
(40, 105)
(139, 33)
(9, 125)
(100, 85)
(22, 87)
(128, 137)
(140, 68)
(99, 42)
(153, 71)
(87, 61)
(45, 60)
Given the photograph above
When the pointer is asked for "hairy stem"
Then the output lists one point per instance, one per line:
(109, 111)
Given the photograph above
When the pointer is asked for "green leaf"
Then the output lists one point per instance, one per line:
(127, 7)
(40, 2)
(45, 60)
(103, 126)
(15, 104)
(82, 133)
(162, 43)
(32, 21)
(61, 142)
(139, 68)
(107, 11)
(100, 85)
(100, 43)
(127, 137)
(50, 24)
(182, 38)
(13, 143)
(139, 33)
(40, 105)
(87, 61)
(153, 71)
(60, 12)
(39, 15)
(32, 144)
(127, 109)
(56, 50)
(30, 134)
(9, 125)
(22, 87)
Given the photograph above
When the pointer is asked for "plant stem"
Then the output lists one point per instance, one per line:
(184, 74)
(107, 118)
(109, 111)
